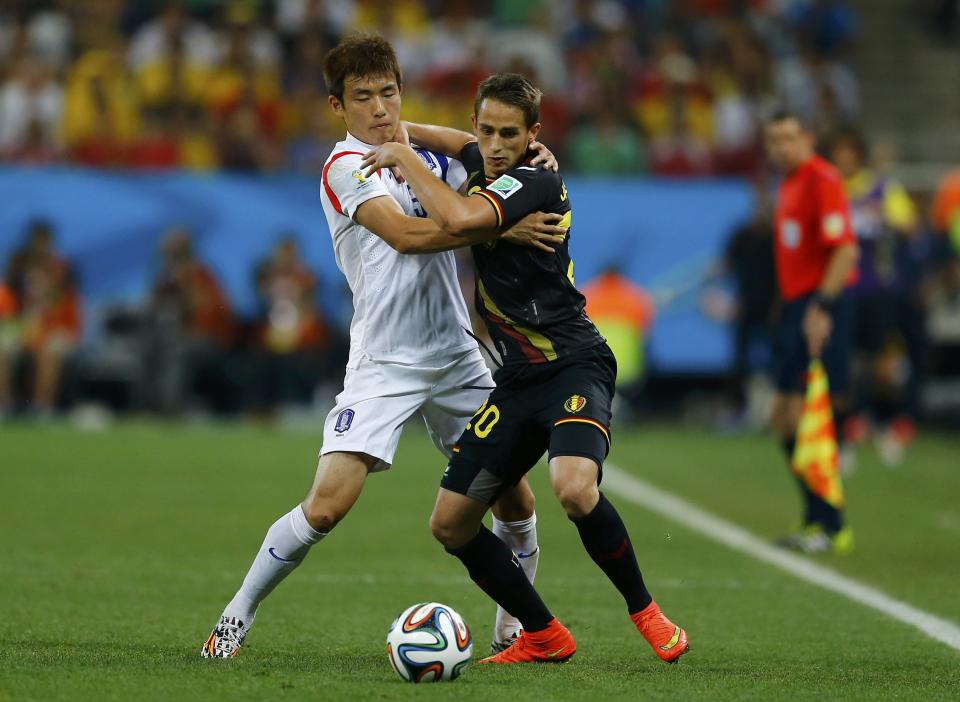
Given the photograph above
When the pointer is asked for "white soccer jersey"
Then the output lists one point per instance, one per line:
(407, 307)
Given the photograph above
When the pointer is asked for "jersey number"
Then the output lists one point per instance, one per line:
(489, 416)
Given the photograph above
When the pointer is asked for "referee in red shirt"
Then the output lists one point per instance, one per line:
(816, 260)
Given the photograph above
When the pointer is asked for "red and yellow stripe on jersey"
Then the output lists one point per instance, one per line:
(535, 346)
(816, 459)
(492, 199)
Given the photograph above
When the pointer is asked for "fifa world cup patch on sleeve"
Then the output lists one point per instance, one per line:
(361, 181)
(833, 225)
(505, 186)
(575, 403)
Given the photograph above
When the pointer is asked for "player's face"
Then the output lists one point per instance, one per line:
(502, 135)
(788, 144)
(370, 107)
(846, 159)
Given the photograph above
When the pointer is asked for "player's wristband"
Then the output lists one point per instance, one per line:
(824, 302)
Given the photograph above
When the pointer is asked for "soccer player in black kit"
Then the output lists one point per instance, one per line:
(556, 385)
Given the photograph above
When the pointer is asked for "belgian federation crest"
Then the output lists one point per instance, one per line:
(575, 403)
(344, 420)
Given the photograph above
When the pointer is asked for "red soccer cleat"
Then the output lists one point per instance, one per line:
(554, 644)
(666, 639)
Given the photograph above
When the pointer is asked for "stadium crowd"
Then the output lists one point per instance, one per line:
(671, 88)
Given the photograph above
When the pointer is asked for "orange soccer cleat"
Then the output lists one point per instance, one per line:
(666, 639)
(554, 644)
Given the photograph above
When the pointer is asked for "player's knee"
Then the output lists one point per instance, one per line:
(447, 531)
(322, 514)
(577, 497)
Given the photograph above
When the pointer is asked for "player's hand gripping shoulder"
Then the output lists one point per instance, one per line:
(538, 154)
(387, 155)
(538, 230)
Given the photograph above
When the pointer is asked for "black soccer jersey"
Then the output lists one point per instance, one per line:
(527, 297)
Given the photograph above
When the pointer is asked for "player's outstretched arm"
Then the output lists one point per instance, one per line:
(444, 140)
(450, 142)
(410, 235)
(450, 210)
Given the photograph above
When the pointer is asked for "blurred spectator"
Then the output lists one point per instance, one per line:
(42, 289)
(192, 330)
(8, 346)
(828, 25)
(171, 57)
(889, 308)
(822, 90)
(238, 84)
(291, 337)
(749, 258)
(31, 105)
(623, 312)
(679, 151)
(945, 214)
(101, 116)
(606, 146)
(156, 147)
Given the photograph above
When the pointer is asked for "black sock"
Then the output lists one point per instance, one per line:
(494, 568)
(815, 509)
(808, 497)
(608, 544)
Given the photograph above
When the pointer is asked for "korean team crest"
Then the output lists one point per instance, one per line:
(575, 403)
(344, 420)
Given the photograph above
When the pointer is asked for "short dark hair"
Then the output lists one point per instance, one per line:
(511, 89)
(784, 114)
(850, 135)
(359, 54)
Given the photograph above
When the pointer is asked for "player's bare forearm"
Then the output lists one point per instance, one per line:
(453, 212)
(444, 140)
(840, 267)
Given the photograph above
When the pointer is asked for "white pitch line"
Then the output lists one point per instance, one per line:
(732, 536)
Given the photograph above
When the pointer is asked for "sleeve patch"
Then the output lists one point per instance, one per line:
(505, 186)
(361, 182)
(833, 225)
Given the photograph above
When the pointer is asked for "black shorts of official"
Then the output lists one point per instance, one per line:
(791, 359)
(561, 407)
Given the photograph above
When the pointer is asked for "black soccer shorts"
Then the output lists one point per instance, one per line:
(562, 407)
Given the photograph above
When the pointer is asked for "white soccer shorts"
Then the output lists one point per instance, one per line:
(379, 398)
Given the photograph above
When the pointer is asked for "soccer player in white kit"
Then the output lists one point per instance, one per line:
(409, 348)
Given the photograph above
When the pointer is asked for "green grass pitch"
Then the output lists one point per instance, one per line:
(119, 549)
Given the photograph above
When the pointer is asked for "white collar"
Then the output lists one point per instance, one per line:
(353, 140)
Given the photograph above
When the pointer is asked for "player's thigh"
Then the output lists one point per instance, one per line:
(499, 445)
(576, 408)
(790, 356)
(459, 391)
(575, 482)
(369, 415)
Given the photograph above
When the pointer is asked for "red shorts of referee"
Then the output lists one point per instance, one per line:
(816, 261)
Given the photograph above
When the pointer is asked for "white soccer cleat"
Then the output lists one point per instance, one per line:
(226, 638)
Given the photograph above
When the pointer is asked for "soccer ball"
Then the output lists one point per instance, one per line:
(429, 642)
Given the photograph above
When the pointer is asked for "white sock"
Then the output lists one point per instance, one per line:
(521, 537)
(283, 549)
